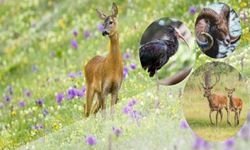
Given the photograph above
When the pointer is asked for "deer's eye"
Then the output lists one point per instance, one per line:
(111, 22)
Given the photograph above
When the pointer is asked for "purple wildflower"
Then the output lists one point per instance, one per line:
(200, 143)
(86, 34)
(40, 102)
(81, 92)
(75, 33)
(117, 131)
(184, 124)
(72, 75)
(72, 92)
(91, 140)
(126, 55)
(22, 103)
(135, 115)
(229, 144)
(37, 127)
(100, 27)
(79, 73)
(40, 126)
(125, 72)
(45, 112)
(132, 102)
(245, 132)
(133, 66)
(192, 10)
(74, 44)
(27, 93)
(7, 98)
(59, 98)
(126, 109)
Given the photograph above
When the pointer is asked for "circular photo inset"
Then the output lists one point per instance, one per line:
(165, 51)
(215, 101)
(217, 30)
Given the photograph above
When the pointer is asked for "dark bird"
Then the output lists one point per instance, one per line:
(156, 53)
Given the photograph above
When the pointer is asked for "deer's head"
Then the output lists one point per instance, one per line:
(211, 26)
(207, 91)
(230, 91)
(110, 22)
(207, 88)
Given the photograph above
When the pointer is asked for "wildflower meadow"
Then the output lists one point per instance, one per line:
(44, 45)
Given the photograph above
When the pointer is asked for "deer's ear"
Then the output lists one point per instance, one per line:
(233, 89)
(226, 88)
(114, 10)
(100, 14)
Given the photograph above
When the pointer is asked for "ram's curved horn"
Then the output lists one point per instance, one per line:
(207, 44)
(206, 17)
(234, 39)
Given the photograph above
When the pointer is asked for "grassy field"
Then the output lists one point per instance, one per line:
(39, 60)
(196, 106)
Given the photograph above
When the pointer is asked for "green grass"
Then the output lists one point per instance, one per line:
(32, 30)
(196, 107)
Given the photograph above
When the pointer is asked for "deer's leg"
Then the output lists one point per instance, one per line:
(221, 115)
(103, 103)
(235, 118)
(210, 113)
(90, 96)
(97, 105)
(228, 112)
(239, 113)
(217, 118)
(114, 97)
(239, 116)
(117, 100)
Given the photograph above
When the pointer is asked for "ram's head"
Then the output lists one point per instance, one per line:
(211, 27)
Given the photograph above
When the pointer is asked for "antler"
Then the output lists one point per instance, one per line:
(217, 79)
(203, 77)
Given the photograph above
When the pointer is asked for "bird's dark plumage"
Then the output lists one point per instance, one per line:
(155, 54)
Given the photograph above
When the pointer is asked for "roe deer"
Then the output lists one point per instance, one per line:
(104, 75)
(235, 105)
(216, 102)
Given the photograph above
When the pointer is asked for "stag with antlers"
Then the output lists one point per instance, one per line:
(216, 101)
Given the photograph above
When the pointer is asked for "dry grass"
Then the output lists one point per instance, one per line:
(196, 109)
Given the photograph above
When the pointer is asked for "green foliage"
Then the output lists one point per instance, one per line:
(35, 54)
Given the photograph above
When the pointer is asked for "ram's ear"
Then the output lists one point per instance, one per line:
(100, 14)
(225, 11)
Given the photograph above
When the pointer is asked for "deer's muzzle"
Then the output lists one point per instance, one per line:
(104, 33)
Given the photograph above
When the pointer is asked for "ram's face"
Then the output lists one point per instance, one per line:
(222, 32)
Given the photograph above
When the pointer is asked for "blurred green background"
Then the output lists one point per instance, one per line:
(39, 55)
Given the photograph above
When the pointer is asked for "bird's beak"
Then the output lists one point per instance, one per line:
(178, 34)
